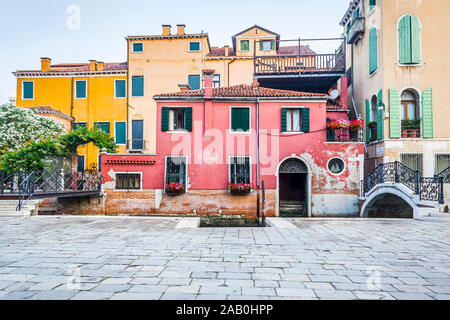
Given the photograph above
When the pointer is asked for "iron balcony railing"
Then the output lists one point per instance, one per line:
(429, 189)
(345, 135)
(356, 30)
(137, 145)
(445, 175)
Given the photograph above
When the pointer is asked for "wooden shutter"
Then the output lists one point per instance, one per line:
(367, 120)
(28, 90)
(373, 50)
(427, 113)
(164, 119)
(404, 39)
(121, 133)
(380, 108)
(261, 45)
(273, 44)
(283, 119)
(245, 119)
(330, 133)
(120, 89)
(305, 120)
(415, 40)
(188, 119)
(394, 114)
(137, 86)
(81, 89)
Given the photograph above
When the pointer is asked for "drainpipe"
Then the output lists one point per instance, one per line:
(128, 98)
(257, 160)
(228, 70)
(71, 100)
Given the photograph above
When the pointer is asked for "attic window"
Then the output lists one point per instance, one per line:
(245, 45)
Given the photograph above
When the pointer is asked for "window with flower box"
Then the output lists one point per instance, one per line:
(176, 174)
(240, 170)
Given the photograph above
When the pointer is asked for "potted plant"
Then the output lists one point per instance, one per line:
(372, 124)
(240, 188)
(411, 128)
(175, 188)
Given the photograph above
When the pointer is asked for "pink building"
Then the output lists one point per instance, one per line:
(248, 135)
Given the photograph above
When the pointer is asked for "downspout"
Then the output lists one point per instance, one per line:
(228, 71)
(257, 161)
(128, 94)
(71, 102)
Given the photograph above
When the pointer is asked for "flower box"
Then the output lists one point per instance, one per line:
(410, 133)
(175, 188)
(240, 188)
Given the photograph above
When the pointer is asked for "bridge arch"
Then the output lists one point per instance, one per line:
(389, 203)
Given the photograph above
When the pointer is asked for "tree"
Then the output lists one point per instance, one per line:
(27, 139)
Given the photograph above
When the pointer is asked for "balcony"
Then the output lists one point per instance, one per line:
(356, 30)
(136, 145)
(346, 135)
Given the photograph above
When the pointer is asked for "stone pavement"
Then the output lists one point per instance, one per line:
(147, 258)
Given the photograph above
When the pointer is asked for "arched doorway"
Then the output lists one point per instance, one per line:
(293, 179)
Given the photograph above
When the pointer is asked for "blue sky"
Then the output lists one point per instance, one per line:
(31, 29)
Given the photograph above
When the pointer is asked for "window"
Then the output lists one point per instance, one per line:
(137, 135)
(176, 170)
(442, 163)
(194, 82)
(176, 119)
(413, 161)
(194, 46)
(77, 125)
(245, 45)
(138, 47)
(265, 45)
(120, 88)
(121, 132)
(27, 90)
(373, 50)
(216, 81)
(104, 126)
(240, 119)
(240, 170)
(336, 166)
(81, 163)
(409, 40)
(137, 86)
(293, 120)
(80, 89)
(409, 109)
(128, 181)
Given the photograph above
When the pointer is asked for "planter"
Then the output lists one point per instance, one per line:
(354, 135)
(240, 192)
(173, 193)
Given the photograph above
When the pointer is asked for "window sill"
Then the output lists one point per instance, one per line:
(292, 132)
(373, 73)
(120, 97)
(409, 64)
(239, 132)
(178, 131)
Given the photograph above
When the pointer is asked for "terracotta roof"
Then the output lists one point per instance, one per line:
(220, 52)
(131, 162)
(82, 67)
(50, 110)
(294, 50)
(171, 36)
(244, 91)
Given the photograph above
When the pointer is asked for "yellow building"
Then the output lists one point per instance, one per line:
(399, 63)
(92, 93)
(174, 61)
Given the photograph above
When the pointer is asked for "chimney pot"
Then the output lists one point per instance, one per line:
(92, 65)
(208, 76)
(227, 51)
(99, 65)
(45, 64)
(166, 29)
(180, 29)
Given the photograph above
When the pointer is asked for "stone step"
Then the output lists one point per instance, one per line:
(16, 202)
(24, 213)
(12, 207)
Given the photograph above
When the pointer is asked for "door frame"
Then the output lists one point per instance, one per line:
(308, 186)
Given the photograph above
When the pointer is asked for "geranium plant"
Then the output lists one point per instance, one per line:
(175, 187)
(338, 125)
(240, 187)
(356, 124)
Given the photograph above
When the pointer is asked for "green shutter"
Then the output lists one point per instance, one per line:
(367, 120)
(273, 44)
(415, 40)
(261, 45)
(240, 119)
(394, 114)
(120, 88)
(28, 90)
(427, 113)
(164, 119)
(330, 133)
(305, 120)
(404, 39)
(188, 119)
(235, 115)
(137, 86)
(372, 3)
(245, 119)
(121, 133)
(194, 82)
(104, 126)
(283, 119)
(81, 89)
(373, 50)
(380, 108)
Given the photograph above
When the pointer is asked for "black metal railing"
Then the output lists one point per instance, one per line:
(445, 174)
(430, 189)
(25, 185)
(345, 135)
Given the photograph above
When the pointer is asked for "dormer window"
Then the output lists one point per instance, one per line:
(245, 45)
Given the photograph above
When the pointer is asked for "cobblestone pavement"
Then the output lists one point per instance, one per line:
(147, 258)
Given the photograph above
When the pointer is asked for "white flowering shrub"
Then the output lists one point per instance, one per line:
(20, 125)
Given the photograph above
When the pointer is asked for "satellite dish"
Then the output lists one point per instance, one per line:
(334, 94)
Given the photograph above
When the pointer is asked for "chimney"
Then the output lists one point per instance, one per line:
(227, 51)
(255, 82)
(45, 64)
(166, 29)
(184, 87)
(180, 29)
(208, 76)
(92, 65)
(99, 65)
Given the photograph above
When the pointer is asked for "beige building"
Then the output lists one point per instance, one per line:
(398, 75)
(174, 61)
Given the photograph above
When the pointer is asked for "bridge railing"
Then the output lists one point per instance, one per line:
(445, 174)
(430, 189)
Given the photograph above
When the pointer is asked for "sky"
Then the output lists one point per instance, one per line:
(31, 29)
